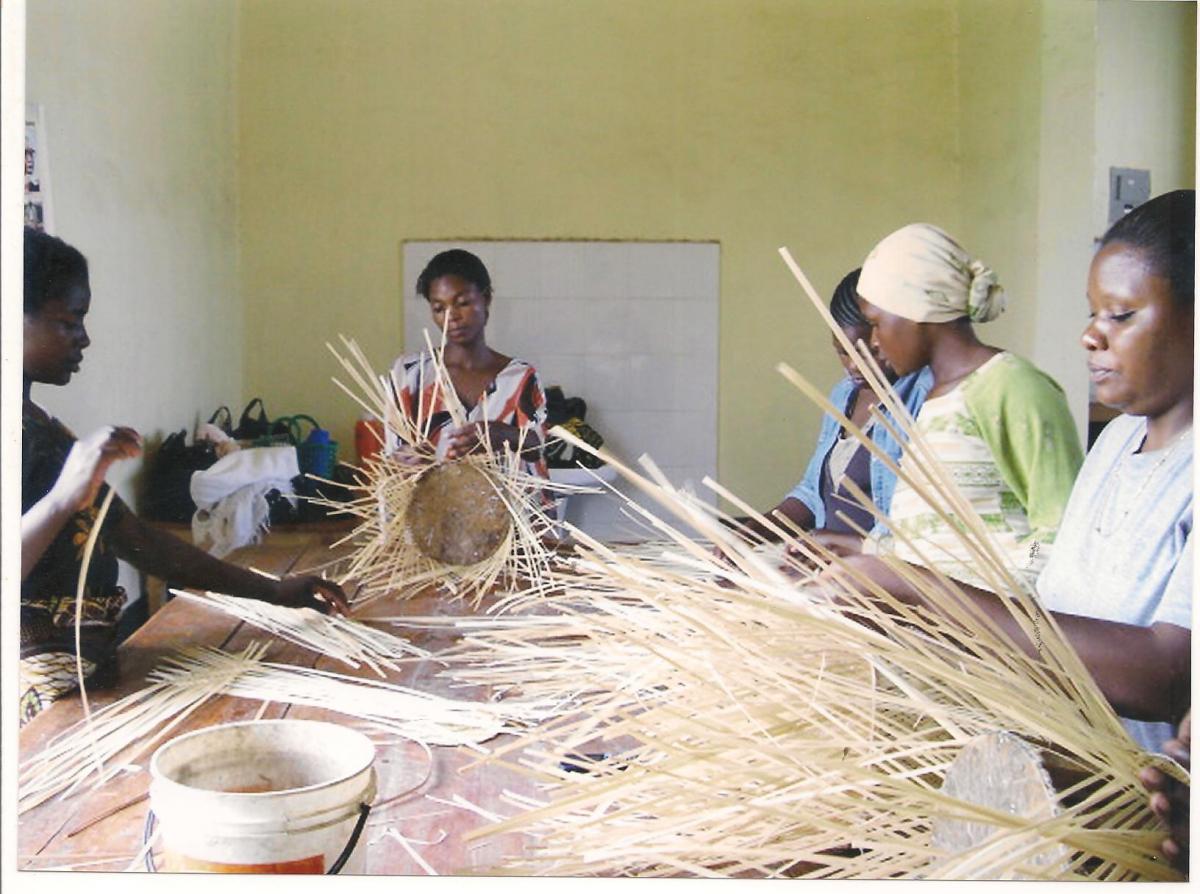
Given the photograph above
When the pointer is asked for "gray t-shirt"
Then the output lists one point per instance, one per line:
(1122, 551)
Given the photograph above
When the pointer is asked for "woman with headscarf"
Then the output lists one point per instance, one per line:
(1119, 580)
(999, 426)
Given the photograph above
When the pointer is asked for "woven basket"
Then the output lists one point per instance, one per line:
(317, 454)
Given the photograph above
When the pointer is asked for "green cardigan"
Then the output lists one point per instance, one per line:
(1023, 417)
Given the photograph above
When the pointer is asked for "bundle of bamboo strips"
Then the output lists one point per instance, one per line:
(387, 707)
(386, 558)
(121, 732)
(772, 723)
(352, 642)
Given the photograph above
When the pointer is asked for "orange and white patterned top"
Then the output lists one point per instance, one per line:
(513, 397)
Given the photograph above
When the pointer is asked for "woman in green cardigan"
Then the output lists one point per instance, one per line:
(1000, 427)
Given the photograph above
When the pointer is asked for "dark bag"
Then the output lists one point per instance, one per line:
(569, 412)
(560, 408)
(341, 487)
(168, 495)
(253, 426)
(222, 419)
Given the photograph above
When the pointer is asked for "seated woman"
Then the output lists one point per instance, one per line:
(999, 426)
(500, 390)
(822, 500)
(1119, 581)
(61, 478)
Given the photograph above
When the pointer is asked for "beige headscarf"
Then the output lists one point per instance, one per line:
(920, 273)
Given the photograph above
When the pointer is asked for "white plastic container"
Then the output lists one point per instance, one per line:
(270, 796)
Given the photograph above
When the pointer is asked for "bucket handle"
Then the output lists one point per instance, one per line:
(364, 810)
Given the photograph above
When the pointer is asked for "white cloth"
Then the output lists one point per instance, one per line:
(1123, 552)
(230, 496)
(920, 273)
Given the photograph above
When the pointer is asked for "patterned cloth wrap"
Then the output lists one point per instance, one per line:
(48, 668)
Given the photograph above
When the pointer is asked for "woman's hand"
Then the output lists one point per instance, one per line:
(470, 438)
(409, 455)
(88, 462)
(311, 591)
(839, 544)
(1169, 799)
(844, 545)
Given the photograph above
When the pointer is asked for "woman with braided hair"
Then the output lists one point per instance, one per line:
(823, 500)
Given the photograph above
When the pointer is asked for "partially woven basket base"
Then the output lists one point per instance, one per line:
(456, 515)
(1005, 773)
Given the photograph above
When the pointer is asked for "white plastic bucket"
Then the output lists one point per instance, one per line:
(275, 796)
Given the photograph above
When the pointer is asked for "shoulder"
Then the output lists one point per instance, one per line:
(840, 393)
(518, 370)
(408, 366)
(1009, 379)
(410, 360)
(39, 427)
(914, 385)
(1121, 434)
(1013, 369)
(516, 363)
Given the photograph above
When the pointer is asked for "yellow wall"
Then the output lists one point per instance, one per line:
(1145, 94)
(819, 125)
(1000, 81)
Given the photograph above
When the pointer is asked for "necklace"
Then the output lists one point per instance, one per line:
(1112, 502)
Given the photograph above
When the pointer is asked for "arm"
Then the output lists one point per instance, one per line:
(1144, 672)
(791, 508)
(911, 389)
(75, 489)
(158, 553)
(808, 491)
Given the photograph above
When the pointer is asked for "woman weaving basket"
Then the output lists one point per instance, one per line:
(61, 478)
(501, 391)
(1119, 579)
(821, 500)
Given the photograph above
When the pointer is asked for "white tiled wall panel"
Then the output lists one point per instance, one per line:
(631, 327)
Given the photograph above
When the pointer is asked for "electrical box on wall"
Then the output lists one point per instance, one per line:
(1127, 188)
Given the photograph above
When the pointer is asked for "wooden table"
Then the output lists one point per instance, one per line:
(58, 833)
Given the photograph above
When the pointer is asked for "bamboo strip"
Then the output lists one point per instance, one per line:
(80, 587)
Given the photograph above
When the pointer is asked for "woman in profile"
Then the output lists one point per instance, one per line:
(62, 488)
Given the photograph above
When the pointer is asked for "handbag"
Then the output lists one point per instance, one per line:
(222, 419)
(252, 426)
(318, 452)
(569, 412)
(168, 495)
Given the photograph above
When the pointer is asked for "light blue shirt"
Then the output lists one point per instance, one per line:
(1123, 549)
(911, 389)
